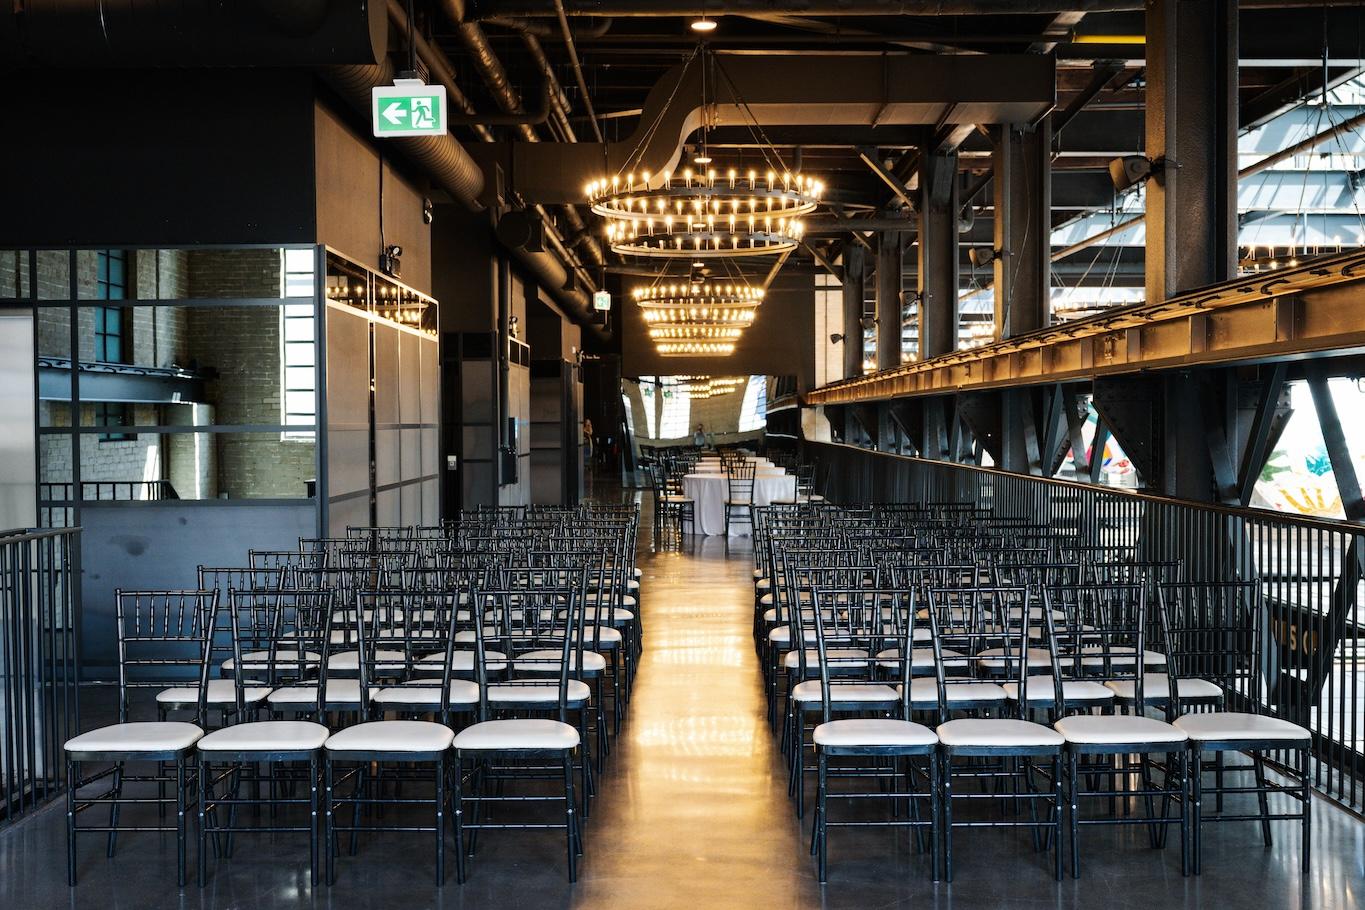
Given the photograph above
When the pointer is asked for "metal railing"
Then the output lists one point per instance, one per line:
(39, 665)
(109, 491)
(1309, 571)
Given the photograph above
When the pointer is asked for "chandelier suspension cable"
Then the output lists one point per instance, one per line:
(638, 152)
(765, 146)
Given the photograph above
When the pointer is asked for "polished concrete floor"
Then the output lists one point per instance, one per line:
(693, 812)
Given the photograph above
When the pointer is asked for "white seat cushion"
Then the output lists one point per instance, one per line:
(842, 692)
(416, 693)
(995, 659)
(266, 736)
(873, 732)
(548, 661)
(838, 657)
(758, 573)
(920, 658)
(528, 733)
(1158, 686)
(763, 584)
(1041, 688)
(339, 691)
(971, 731)
(392, 736)
(506, 693)
(637, 573)
(606, 635)
(494, 661)
(924, 691)
(148, 736)
(767, 601)
(221, 692)
(1116, 658)
(783, 633)
(1100, 729)
(260, 660)
(1232, 725)
(382, 657)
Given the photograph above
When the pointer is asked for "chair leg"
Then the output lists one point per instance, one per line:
(329, 846)
(1196, 761)
(203, 858)
(1057, 797)
(570, 820)
(1262, 798)
(946, 779)
(1073, 778)
(180, 846)
(313, 820)
(935, 817)
(1306, 796)
(116, 793)
(440, 821)
(72, 769)
(457, 816)
(822, 765)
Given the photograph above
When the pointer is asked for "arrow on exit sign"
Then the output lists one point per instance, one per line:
(409, 107)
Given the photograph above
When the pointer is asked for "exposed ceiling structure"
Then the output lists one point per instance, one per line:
(859, 66)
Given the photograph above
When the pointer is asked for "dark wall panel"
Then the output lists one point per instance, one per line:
(165, 156)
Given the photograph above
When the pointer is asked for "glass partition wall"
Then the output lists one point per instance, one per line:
(202, 374)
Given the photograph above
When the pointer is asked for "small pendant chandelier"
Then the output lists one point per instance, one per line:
(697, 318)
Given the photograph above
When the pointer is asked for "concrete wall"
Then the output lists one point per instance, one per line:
(349, 181)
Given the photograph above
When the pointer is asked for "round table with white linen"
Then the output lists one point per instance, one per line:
(709, 492)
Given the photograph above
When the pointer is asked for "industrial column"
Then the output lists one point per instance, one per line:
(1192, 138)
(853, 287)
(938, 310)
(1023, 227)
(890, 263)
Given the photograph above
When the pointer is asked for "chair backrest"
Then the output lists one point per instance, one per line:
(1096, 632)
(163, 640)
(739, 477)
(224, 579)
(274, 559)
(397, 631)
(292, 630)
(522, 621)
(859, 620)
(966, 624)
(1215, 631)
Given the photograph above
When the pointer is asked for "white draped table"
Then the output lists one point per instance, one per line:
(709, 492)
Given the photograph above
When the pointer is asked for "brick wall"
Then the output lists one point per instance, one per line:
(242, 344)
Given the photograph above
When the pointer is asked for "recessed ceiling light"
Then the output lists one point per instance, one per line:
(703, 24)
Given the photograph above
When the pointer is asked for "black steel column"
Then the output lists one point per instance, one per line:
(1192, 125)
(890, 263)
(1022, 162)
(938, 311)
(854, 284)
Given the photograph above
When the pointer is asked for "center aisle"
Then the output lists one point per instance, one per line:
(694, 811)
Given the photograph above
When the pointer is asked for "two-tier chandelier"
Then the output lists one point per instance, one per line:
(697, 318)
(705, 211)
(704, 387)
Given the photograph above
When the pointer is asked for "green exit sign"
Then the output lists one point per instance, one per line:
(409, 107)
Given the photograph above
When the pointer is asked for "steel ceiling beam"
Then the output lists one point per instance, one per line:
(1285, 315)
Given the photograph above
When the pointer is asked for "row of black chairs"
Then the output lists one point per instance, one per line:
(923, 647)
(368, 683)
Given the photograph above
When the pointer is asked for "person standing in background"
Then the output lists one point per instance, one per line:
(587, 440)
(699, 437)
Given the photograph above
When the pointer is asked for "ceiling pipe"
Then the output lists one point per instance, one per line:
(499, 84)
(578, 69)
(589, 28)
(765, 8)
(691, 8)
(356, 82)
(441, 156)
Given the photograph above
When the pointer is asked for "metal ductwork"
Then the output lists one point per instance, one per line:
(488, 9)
(790, 90)
(448, 162)
(509, 100)
(583, 28)
(443, 157)
(192, 33)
